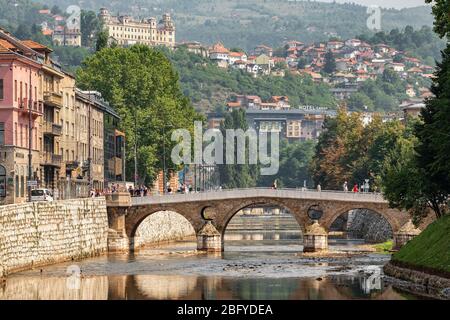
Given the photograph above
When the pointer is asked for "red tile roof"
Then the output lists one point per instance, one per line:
(7, 45)
(36, 46)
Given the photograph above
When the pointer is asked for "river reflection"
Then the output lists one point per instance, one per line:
(172, 287)
(261, 263)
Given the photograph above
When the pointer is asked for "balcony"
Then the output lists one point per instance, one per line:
(51, 159)
(52, 129)
(36, 107)
(53, 99)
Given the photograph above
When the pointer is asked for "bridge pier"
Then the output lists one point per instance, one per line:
(118, 205)
(209, 239)
(405, 234)
(315, 238)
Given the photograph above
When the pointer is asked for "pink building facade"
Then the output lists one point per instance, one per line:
(16, 89)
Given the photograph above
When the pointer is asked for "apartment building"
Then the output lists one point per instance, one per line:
(67, 37)
(292, 124)
(20, 112)
(44, 115)
(127, 31)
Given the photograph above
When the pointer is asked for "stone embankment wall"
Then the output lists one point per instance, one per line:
(163, 226)
(42, 233)
(364, 224)
(425, 284)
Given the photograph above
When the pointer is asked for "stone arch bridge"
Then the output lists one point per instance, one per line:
(210, 212)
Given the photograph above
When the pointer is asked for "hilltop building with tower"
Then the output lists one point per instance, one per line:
(127, 31)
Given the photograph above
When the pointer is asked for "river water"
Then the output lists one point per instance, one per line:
(262, 260)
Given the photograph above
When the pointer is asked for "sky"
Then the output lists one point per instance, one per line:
(398, 4)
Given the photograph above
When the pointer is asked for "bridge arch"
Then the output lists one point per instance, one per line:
(395, 220)
(135, 218)
(222, 225)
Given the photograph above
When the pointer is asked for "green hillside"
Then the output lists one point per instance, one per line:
(248, 23)
(209, 87)
(429, 250)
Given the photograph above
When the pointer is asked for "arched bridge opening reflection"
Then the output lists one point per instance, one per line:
(266, 227)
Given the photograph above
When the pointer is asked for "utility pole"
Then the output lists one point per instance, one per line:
(30, 137)
(89, 143)
(135, 148)
(164, 160)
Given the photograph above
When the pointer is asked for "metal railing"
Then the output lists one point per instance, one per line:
(225, 194)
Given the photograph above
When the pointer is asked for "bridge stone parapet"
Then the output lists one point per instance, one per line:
(219, 207)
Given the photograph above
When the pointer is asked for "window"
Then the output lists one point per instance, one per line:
(21, 135)
(22, 186)
(17, 186)
(2, 181)
(2, 134)
(1, 90)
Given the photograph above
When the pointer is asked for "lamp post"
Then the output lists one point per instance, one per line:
(164, 161)
(30, 137)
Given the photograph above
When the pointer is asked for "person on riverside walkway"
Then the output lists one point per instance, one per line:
(345, 186)
(319, 188)
(355, 188)
(274, 185)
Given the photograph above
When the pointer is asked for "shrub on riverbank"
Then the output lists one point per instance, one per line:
(430, 251)
(384, 247)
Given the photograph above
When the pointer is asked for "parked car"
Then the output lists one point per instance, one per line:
(41, 195)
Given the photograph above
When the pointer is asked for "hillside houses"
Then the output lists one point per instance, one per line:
(252, 102)
(356, 61)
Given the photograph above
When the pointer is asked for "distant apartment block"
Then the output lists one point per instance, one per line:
(292, 124)
(126, 31)
(67, 37)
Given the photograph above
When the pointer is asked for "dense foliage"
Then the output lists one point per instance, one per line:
(418, 177)
(350, 151)
(295, 158)
(233, 175)
(422, 43)
(382, 94)
(142, 86)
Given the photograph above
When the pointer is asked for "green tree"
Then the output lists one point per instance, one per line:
(90, 26)
(441, 8)
(141, 84)
(360, 102)
(102, 40)
(237, 175)
(295, 160)
(349, 150)
(433, 154)
(330, 63)
(417, 176)
(402, 180)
